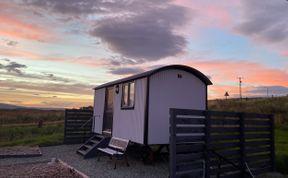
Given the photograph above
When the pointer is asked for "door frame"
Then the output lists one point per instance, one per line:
(105, 108)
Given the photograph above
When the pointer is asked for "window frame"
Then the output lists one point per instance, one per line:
(129, 95)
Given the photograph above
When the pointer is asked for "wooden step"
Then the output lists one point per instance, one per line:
(89, 149)
(81, 152)
(94, 141)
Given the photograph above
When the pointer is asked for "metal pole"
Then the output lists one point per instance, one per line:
(240, 87)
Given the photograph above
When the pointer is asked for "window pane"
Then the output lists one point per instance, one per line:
(131, 94)
(125, 95)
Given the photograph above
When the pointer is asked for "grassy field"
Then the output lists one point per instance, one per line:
(29, 116)
(281, 143)
(20, 127)
(277, 106)
(32, 135)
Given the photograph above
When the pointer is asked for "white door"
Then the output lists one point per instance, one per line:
(99, 105)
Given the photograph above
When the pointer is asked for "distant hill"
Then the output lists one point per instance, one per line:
(4, 106)
(10, 106)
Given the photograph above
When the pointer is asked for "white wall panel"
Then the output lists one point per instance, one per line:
(129, 123)
(169, 91)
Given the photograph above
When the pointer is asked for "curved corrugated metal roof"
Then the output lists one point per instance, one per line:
(191, 70)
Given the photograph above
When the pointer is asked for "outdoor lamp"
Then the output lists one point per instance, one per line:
(117, 89)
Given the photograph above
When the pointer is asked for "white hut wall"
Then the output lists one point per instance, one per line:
(171, 89)
(129, 123)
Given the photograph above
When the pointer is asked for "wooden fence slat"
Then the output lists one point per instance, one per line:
(224, 122)
(258, 122)
(262, 170)
(187, 139)
(189, 157)
(223, 145)
(187, 112)
(224, 129)
(184, 148)
(259, 164)
(190, 129)
(257, 129)
(227, 169)
(226, 114)
(255, 116)
(257, 136)
(251, 158)
(190, 173)
(189, 121)
(257, 143)
(227, 153)
(257, 150)
(189, 166)
(225, 137)
(236, 174)
(214, 162)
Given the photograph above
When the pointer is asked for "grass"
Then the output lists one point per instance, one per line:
(32, 135)
(281, 144)
(277, 106)
(19, 127)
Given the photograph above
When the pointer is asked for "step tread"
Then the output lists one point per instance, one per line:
(82, 152)
(95, 141)
(88, 146)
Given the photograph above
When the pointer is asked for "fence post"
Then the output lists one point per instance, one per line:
(242, 143)
(65, 124)
(272, 139)
(207, 143)
(172, 145)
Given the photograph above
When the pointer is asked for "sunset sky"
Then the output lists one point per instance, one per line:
(53, 52)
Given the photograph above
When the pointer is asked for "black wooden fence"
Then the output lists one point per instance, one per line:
(78, 125)
(220, 144)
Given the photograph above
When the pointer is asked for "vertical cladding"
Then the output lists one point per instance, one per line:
(129, 123)
(171, 89)
(99, 105)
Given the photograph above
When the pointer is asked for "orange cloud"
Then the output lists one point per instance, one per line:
(84, 60)
(16, 23)
(224, 76)
(253, 73)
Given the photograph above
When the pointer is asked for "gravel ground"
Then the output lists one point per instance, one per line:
(39, 170)
(19, 151)
(93, 168)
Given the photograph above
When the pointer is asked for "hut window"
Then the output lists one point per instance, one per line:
(128, 95)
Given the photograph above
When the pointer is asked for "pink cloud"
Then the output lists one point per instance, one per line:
(211, 13)
(224, 75)
(285, 53)
(18, 22)
(16, 28)
(253, 73)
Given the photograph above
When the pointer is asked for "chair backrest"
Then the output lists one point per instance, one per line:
(118, 143)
